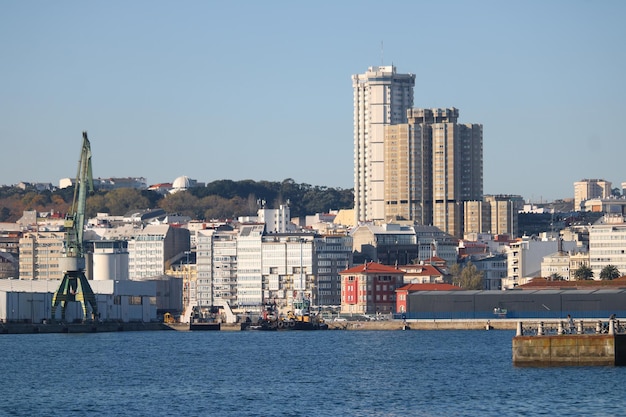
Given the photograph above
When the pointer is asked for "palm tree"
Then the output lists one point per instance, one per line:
(555, 276)
(583, 273)
(609, 272)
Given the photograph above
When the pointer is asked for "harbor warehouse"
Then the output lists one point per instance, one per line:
(544, 303)
(30, 301)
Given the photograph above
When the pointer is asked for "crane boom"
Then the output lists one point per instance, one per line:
(75, 219)
(74, 286)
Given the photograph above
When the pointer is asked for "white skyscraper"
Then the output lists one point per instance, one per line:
(381, 97)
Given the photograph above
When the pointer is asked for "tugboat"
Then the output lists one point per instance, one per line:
(300, 318)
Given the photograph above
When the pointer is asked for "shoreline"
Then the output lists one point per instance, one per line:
(384, 325)
(34, 328)
(388, 325)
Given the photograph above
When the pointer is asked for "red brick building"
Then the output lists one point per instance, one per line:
(370, 288)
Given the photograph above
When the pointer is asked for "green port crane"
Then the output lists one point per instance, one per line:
(74, 286)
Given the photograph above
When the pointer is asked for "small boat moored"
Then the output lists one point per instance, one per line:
(204, 320)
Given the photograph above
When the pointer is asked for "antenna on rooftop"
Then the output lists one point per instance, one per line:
(382, 54)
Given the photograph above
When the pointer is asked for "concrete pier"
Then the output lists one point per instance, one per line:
(570, 350)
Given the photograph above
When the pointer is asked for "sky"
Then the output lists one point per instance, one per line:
(262, 90)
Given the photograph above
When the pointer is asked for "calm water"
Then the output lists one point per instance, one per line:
(334, 373)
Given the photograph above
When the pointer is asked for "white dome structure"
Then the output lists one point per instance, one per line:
(181, 183)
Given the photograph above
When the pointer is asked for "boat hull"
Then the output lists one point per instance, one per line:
(205, 326)
(284, 325)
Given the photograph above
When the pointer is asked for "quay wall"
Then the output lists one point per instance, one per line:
(446, 324)
(26, 328)
(383, 325)
(576, 350)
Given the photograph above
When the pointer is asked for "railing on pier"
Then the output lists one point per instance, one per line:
(561, 327)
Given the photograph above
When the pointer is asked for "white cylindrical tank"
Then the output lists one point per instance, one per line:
(110, 266)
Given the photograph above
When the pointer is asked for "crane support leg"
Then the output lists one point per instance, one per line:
(75, 287)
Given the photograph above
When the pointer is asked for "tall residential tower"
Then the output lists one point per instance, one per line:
(381, 97)
(432, 166)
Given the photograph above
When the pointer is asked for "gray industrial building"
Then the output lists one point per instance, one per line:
(30, 301)
(516, 304)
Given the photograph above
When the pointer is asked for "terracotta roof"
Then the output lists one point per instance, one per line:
(421, 270)
(435, 259)
(429, 287)
(372, 268)
(539, 282)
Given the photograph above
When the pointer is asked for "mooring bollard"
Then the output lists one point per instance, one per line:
(611, 327)
(520, 332)
(540, 329)
(560, 328)
(580, 327)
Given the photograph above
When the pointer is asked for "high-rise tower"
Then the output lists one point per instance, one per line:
(381, 97)
(433, 164)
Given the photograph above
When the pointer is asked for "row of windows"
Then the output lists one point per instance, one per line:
(364, 298)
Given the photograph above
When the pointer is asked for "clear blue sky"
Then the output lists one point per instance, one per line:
(261, 90)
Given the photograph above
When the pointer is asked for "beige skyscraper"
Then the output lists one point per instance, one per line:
(381, 97)
(587, 189)
(496, 214)
(433, 165)
(408, 179)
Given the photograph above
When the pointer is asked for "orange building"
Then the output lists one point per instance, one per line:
(370, 288)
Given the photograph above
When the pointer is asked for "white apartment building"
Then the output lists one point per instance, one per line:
(564, 264)
(110, 183)
(556, 263)
(288, 267)
(524, 258)
(153, 249)
(381, 97)
(249, 266)
(216, 263)
(276, 220)
(607, 244)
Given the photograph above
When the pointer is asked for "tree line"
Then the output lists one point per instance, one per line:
(220, 199)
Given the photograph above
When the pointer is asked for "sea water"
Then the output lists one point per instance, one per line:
(325, 373)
